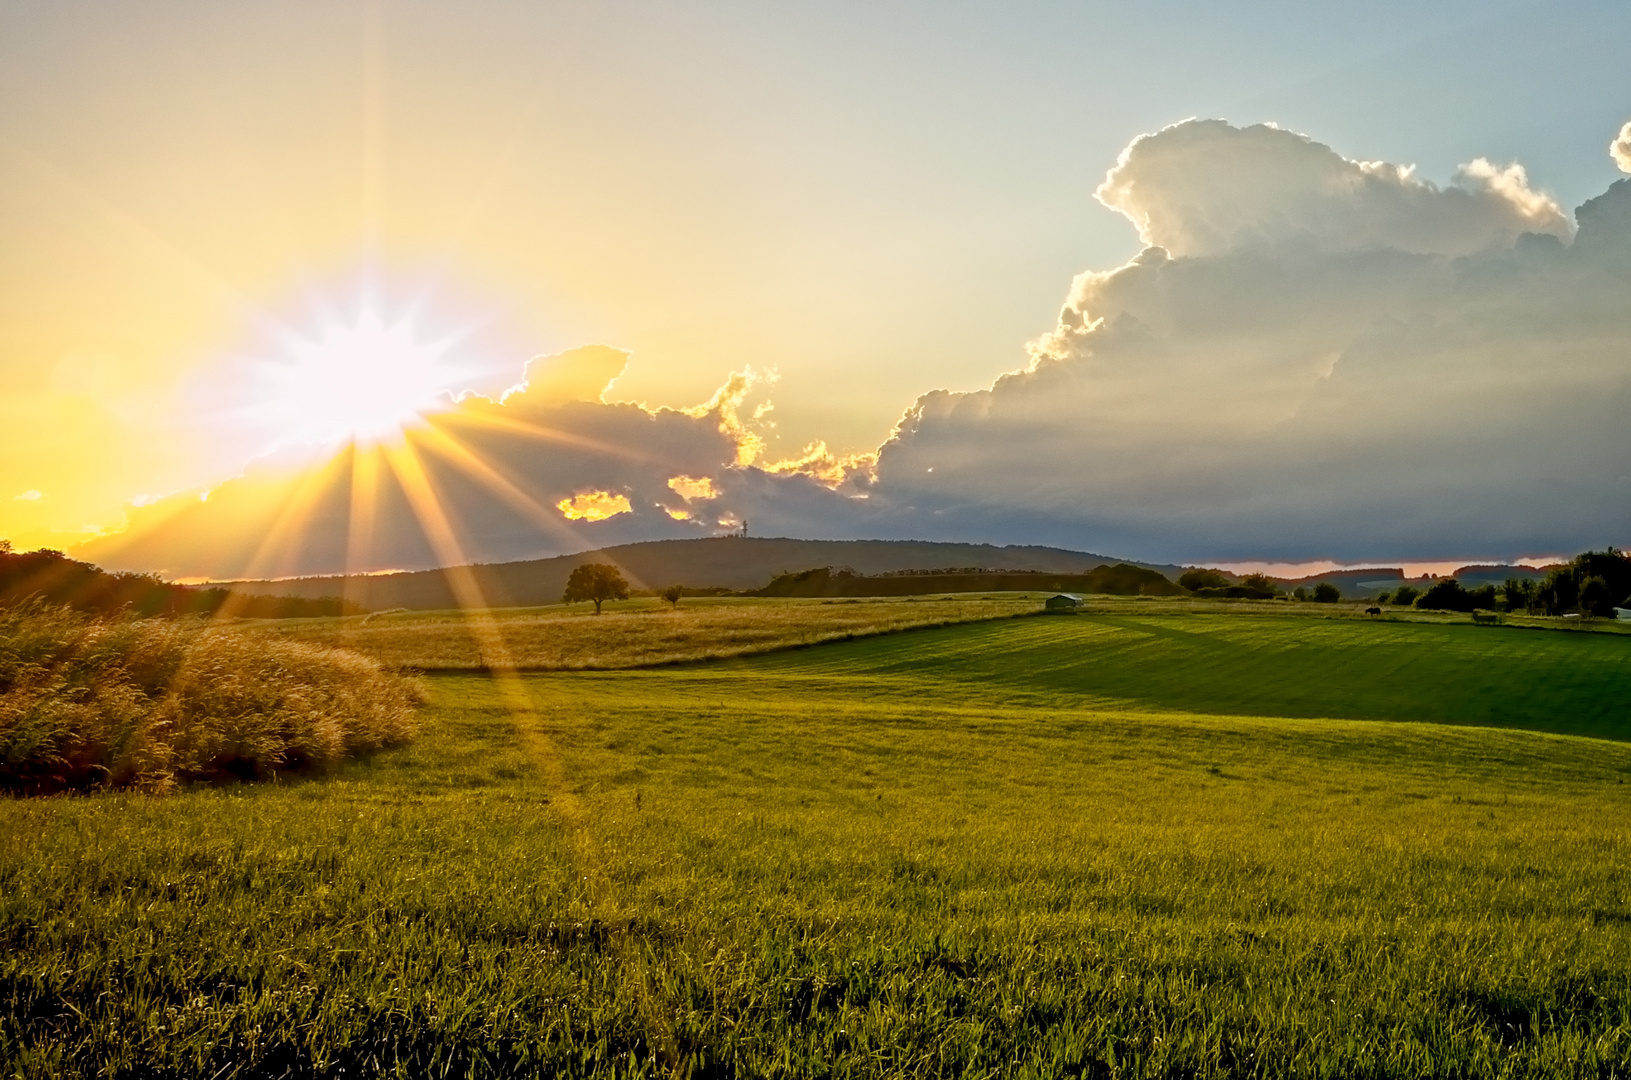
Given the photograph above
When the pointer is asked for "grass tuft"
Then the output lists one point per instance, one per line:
(97, 702)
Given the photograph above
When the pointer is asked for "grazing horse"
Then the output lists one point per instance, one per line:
(1373, 611)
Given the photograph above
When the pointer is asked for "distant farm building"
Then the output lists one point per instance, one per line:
(1063, 603)
(1623, 613)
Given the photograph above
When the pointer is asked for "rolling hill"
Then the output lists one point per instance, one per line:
(730, 562)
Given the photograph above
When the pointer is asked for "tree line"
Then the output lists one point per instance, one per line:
(1592, 584)
(53, 578)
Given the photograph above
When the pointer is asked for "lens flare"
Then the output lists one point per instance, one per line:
(365, 382)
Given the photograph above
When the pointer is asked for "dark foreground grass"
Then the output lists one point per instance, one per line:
(849, 863)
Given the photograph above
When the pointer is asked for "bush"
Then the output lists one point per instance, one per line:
(1405, 595)
(1447, 594)
(1326, 593)
(119, 702)
(1199, 578)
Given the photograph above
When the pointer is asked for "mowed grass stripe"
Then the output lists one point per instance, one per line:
(1292, 666)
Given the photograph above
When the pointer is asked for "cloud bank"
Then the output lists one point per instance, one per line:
(1312, 358)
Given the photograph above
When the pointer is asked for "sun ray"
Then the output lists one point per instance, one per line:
(438, 529)
(291, 519)
(360, 523)
(539, 432)
(410, 472)
(448, 446)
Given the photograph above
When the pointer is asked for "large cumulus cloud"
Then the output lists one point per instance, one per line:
(1314, 357)
(1205, 187)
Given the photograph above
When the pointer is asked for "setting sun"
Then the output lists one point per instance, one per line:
(365, 381)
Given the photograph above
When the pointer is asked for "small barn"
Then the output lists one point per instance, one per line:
(1623, 613)
(1062, 603)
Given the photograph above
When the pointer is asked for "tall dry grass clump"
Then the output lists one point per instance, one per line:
(116, 702)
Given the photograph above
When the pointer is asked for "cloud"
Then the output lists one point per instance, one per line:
(549, 467)
(594, 506)
(1203, 187)
(1620, 148)
(582, 374)
(30, 495)
(1314, 358)
(693, 488)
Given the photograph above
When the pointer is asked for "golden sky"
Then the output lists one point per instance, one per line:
(871, 201)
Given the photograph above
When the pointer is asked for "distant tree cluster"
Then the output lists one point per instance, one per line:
(52, 577)
(1448, 594)
(1593, 583)
(1215, 584)
(956, 570)
(1123, 579)
(1197, 578)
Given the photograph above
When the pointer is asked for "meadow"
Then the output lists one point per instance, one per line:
(1153, 845)
(646, 632)
(633, 633)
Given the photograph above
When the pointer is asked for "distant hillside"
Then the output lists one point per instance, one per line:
(1122, 579)
(731, 562)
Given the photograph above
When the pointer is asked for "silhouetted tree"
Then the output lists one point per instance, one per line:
(1561, 591)
(1595, 599)
(1448, 594)
(1326, 593)
(1405, 595)
(1261, 583)
(1519, 593)
(597, 582)
(1200, 578)
(672, 594)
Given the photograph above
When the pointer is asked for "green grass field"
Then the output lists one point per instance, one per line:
(1123, 845)
(633, 633)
